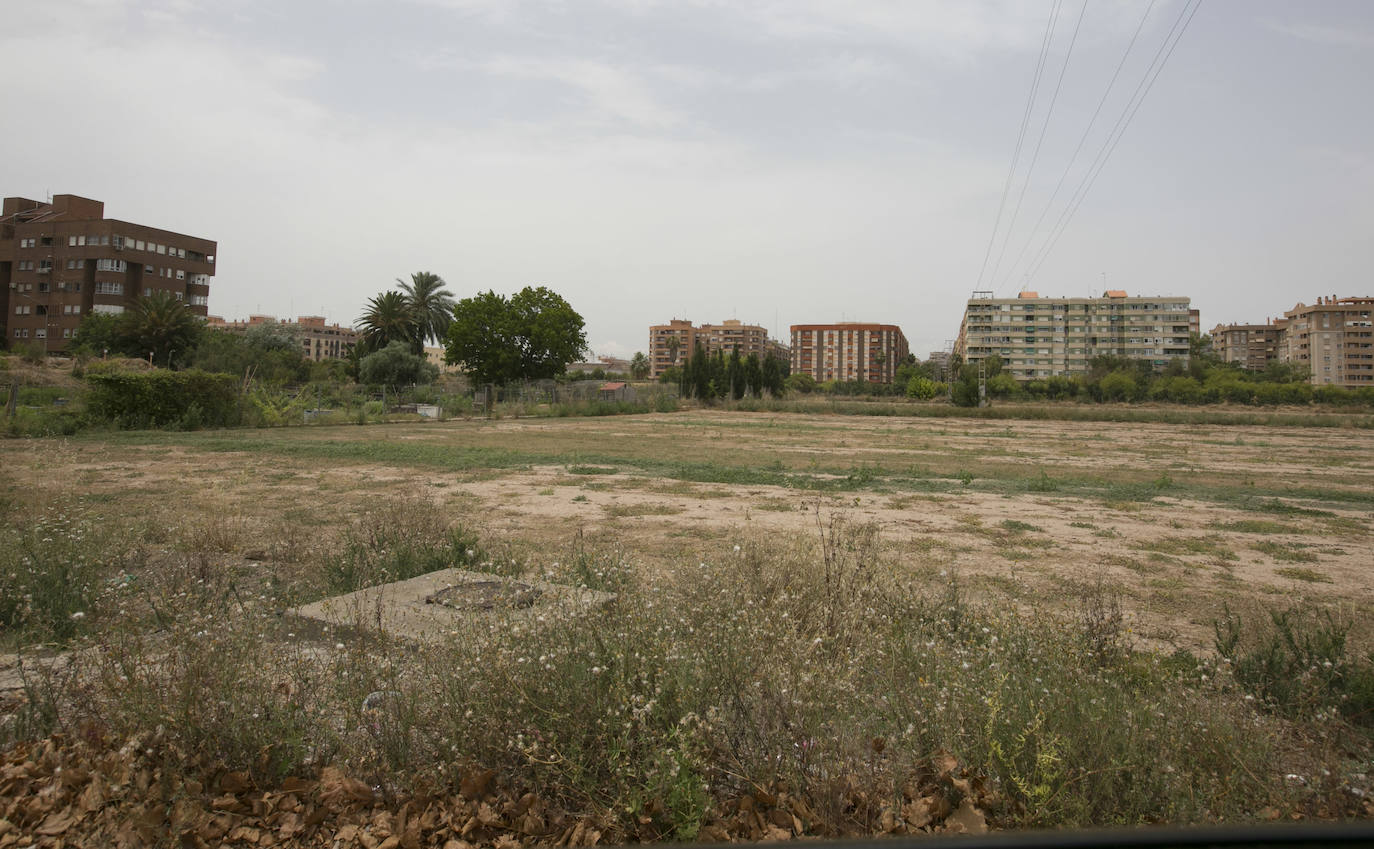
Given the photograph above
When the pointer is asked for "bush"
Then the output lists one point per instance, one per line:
(1298, 663)
(164, 399)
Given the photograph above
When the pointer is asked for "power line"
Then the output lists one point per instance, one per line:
(1123, 122)
(1081, 141)
(1035, 156)
(1021, 134)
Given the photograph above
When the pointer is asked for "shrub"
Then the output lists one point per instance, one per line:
(164, 398)
(1297, 662)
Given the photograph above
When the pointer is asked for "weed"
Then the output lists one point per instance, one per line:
(1300, 573)
(1019, 527)
(1285, 553)
(1297, 662)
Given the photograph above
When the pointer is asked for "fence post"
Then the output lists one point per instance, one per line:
(12, 404)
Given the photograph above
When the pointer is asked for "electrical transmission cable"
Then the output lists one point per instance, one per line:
(1147, 82)
(1021, 134)
(1011, 271)
(1035, 155)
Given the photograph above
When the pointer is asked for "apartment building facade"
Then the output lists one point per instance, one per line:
(848, 351)
(63, 259)
(1039, 337)
(1334, 338)
(319, 341)
(1250, 346)
(672, 343)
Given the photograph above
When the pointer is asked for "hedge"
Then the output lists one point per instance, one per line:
(188, 399)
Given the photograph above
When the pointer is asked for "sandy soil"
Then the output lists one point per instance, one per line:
(1176, 558)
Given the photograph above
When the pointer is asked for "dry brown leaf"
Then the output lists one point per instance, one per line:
(474, 784)
(390, 843)
(57, 822)
(773, 834)
(918, 813)
(234, 782)
(944, 762)
(967, 819)
(507, 841)
(454, 843)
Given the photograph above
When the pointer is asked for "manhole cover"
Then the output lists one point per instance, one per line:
(486, 595)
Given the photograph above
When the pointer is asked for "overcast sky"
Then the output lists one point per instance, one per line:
(776, 161)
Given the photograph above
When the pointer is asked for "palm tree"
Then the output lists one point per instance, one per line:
(639, 366)
(389, 318)
(160, 325)
(431, 303)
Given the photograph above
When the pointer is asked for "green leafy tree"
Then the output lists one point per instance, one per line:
(98, 335)
(800, 382)
(389, 318)
(160, 325)
(431, 305)
(533, 335)
(753, 375)
(396, 365)
(639, 366)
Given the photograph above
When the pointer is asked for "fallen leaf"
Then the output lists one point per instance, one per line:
(967, 819)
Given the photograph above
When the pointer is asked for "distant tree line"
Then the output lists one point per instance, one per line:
(708, 377)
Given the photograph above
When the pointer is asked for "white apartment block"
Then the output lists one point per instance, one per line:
(1039, 337)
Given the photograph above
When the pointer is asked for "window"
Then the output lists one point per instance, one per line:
(110, 265)
(26, 265)
(44, 266)
(162, 249)
(45, 241)
(24, 310)
(148, 269)
(138, 245)
(66, 333)
(103, 287)
(26, 243)
(42, 309)
(147, 293)
(200, 300)
(108, 309)
(181, 275)
(72, 309)
(180, 295)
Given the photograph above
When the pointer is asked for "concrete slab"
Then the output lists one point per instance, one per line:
(438, 604)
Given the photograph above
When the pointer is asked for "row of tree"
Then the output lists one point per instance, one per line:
(531, 335)
(710, 376)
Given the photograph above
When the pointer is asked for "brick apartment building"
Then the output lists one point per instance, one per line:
(1250, 346)
(727, 336)
(1046, 337)
(319, 341)
(848, 351)
(1334, 338)
(64, 259)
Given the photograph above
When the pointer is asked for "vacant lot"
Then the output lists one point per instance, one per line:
(1181, 519)
(822, 625)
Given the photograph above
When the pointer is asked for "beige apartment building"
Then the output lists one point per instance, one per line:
(672, 343)
(1334, 338)
(848, 351)
(63, 259)
(1250, 346)
(1039, 337)
(319, 341)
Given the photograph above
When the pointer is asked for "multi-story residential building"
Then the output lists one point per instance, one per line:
(1251, 346)
(939, 361)
(1334, 338)
(1044, 337)
(672, 343)
(848, 351)
(64, 259)
(319, 341)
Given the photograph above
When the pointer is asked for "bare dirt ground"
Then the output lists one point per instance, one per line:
(1180, 520)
